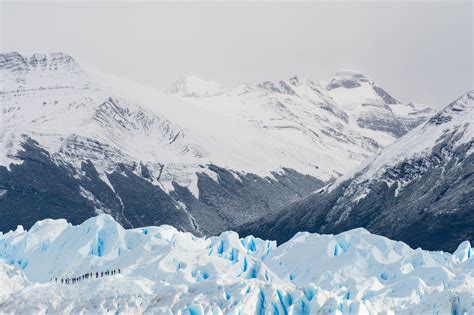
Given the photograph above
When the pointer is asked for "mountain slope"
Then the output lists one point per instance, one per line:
(78, 142)
(163, 270)
(418, 190)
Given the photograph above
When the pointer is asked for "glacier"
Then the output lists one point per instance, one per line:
(165, 271)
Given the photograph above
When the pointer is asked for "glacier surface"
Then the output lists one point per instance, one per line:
(165, 271)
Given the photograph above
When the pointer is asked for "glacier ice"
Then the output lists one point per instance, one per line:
(165, 271)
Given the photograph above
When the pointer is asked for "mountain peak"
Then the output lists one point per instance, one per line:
(350, 73)
(14, 62)
(192, 86)
(460, 109)
(349, 79)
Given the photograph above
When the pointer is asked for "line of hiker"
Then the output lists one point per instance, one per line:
(89, 275)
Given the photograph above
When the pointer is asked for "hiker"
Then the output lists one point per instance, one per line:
(119, 270)
(97, 275)
(56, 279)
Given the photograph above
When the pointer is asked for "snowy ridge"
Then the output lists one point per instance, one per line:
(169, 272)
(453, 121)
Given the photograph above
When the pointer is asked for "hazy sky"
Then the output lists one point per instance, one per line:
(418, 51)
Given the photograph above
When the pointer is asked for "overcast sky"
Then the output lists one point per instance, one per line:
(418, 51)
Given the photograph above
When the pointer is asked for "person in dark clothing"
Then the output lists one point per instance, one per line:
(62, 281)
(101, 273)
(119, 270)
(97, 275)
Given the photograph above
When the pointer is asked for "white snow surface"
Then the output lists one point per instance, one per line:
(164, 271)
(78, 114)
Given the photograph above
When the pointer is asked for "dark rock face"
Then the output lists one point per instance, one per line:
(242, 200)
(434, 210)
(40, 188)
(142, 202)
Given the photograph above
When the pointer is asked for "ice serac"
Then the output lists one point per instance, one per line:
(167, 271)
(76, 142)
(419, 189)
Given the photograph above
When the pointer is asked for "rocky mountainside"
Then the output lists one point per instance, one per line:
(76, 142)
(165, 271)
(419, 190)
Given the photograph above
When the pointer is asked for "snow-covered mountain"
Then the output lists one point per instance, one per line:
(419, 189)
(76, 142)
(164, 271)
